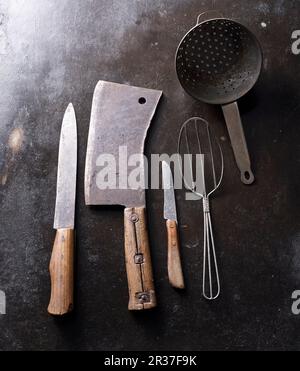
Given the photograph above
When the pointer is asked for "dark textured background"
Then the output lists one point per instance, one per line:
(53, 52)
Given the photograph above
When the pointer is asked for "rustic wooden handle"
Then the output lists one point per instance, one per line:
(61, 272)
(174, 262)
(138, 260)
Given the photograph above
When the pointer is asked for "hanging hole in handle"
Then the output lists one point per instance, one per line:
(247, 177)
(205, 16)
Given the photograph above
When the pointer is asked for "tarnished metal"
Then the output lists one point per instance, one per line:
(134, 218)
(218, 61)
(66, 172)
(143, 297)
(120, 118)
(139, 258)
(170, 212)
(195, 138)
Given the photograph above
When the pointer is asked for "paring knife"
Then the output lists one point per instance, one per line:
(170, 214)
(120, 118)
(62, 259)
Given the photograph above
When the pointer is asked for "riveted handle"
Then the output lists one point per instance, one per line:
(61, 272)
(138, 260)
(174, 261)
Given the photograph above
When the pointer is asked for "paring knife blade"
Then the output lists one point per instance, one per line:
(62, 259)
(169, 193)
(170, 214)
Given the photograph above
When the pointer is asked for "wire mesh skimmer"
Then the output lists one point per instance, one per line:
(217, 62)
(202, 172)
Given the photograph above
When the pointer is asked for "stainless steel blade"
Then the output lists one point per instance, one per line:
(169, 193)
(120, 117)
(66, 172)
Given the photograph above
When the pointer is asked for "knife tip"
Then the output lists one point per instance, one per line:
(70, 106)
(70, 111)
(69, 119)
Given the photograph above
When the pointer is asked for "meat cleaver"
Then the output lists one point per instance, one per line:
(120, 118)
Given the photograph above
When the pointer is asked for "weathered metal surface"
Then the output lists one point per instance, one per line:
(120, 118)
(218, 61)
(170, 212)
(66, 172)
(54, 52)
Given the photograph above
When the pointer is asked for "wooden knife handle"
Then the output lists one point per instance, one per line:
(174, 262)
(138, 260)
(61, 272)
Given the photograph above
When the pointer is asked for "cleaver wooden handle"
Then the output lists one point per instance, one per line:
(61, 271)
(138, 260)
(174, 262)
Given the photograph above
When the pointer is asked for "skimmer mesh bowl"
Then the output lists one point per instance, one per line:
(218, 61)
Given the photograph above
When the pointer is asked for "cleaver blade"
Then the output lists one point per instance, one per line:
(120, 118)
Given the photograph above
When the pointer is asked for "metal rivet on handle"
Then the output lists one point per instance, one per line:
(139, 258)
(134, 218)
(143, 297)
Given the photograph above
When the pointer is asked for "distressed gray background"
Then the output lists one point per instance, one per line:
(53, 52)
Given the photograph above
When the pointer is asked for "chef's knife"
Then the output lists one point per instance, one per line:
(120, 118)
(170, 214)
(62, 259)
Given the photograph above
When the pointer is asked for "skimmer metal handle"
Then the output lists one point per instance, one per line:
(238, 141)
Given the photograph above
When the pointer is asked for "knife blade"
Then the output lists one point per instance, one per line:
(120, 118)
(170, 214)
(62, 258)
(169, 193)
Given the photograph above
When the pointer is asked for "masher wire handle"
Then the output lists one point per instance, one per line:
(209, 257)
